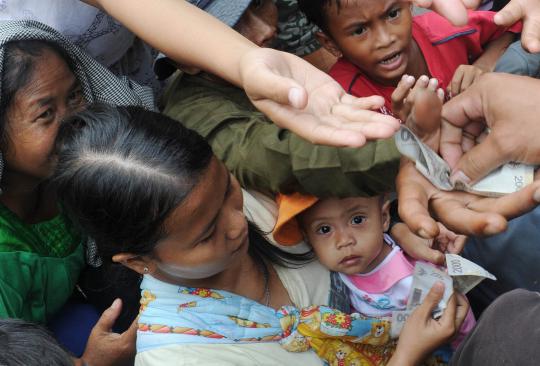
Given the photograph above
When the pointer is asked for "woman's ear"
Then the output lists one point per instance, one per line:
(385, 213)
(329, 44)
(140, 264)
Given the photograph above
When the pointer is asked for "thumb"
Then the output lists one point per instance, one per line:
(109, 316)
(510, 14)
(431, 300)
(479, 161)
(131, 333)
(270, 84)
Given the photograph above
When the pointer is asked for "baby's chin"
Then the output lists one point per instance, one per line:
(349, 270)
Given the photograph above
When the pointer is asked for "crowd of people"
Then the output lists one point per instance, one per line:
(216, 182)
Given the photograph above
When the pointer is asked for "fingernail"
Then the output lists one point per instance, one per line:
(295, 97)
(423, 233)
(494, 227)
(459, 176)
(410, 79)
(116, 304)
(438, 286)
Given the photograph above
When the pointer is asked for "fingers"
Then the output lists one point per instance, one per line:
(400, 93)
(451, 147)
(109, 316)
(431, 301)
(130, 335)
(510, 14)
(462, 309)
(480, 160)
(415, 246)
(511, 205)
(457, 79)
(453, 10)
(456, 246)
(425, 117)
(458, 217)
(413, 195)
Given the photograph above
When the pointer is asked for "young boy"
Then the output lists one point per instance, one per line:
(348, 236)
(378, 41)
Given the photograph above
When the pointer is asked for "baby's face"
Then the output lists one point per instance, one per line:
(347, 234)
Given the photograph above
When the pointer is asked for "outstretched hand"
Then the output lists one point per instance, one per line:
(301, 98)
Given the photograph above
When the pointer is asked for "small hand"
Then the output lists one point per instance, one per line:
(431, 250)
(105, 347)
(453, 10)
(464, 77)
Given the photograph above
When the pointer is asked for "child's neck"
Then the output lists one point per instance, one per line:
(385, 251)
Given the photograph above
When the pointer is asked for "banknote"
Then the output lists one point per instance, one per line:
(425, 276)
(507, 179)
(466, 274)
(462, 275)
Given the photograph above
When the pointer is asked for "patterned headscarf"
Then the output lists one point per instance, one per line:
(98, 84)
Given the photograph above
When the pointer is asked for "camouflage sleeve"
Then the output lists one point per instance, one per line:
(295, 33)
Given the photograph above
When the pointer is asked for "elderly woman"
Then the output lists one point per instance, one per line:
(44, 78)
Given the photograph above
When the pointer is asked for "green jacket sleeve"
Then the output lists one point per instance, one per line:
(34, 288)
(270, 159)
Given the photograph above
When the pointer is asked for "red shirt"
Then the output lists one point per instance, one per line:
(443, 45)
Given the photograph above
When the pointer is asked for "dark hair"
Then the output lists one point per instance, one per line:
(122, 171)
(20, 60)
(27, 344)
(315, 11)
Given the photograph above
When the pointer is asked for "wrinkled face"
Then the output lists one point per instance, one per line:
(35, 114)
(207, 233)
(347, 234)
(259, 22)
(375, 35)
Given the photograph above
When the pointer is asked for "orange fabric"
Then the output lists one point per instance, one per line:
(287, 231)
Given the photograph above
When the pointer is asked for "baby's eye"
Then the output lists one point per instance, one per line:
(394, 13)
(324, 229)
(357, 220)
(359, 31)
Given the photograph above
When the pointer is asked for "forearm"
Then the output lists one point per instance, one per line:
(184, 33)
(494, 51)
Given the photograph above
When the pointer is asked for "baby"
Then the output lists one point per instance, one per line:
(349, 237)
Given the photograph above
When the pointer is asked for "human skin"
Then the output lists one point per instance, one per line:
(347, 234)
(376, 37)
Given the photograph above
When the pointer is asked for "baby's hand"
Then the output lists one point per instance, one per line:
(431, 250)
(447, 241)
(463, 78)
(404, 96)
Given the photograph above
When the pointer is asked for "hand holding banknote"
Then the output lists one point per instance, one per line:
(460, 212)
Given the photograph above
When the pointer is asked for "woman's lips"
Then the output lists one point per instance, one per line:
(392, 62)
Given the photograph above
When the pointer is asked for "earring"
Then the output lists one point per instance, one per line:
(145, 269)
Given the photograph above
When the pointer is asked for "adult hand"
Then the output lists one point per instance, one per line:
(299, 97)
(529, 11)
(105, 347)
(509, 106)
(422, 334)
(453, 10)
(460, 212)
